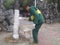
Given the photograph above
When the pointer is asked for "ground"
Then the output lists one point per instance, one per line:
(49, 34)
(51, 31)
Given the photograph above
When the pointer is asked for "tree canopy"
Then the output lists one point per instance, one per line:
(9, 3)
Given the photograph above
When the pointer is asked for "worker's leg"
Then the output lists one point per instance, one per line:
(35, 32)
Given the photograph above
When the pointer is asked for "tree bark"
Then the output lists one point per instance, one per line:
(16, 20)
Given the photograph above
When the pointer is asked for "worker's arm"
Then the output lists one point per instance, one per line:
(34, 13)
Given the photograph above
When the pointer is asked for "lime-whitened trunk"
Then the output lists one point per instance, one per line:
(16, 21)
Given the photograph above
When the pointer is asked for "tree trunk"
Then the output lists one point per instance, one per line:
(16, 20)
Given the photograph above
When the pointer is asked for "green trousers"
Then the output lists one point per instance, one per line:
(35, 32)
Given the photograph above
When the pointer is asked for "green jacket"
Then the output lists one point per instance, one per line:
(38, 17)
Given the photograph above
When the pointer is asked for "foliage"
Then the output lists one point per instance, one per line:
(25, 2)
(9, 3)
(59, 5)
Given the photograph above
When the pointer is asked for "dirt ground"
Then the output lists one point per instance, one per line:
(51, 31)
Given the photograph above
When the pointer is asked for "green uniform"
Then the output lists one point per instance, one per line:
(38, 19)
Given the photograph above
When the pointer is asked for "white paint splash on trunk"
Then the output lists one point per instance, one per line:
(16, 24)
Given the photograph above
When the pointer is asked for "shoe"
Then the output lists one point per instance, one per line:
(33, 43)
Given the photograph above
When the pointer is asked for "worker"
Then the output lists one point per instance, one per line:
(38, 19)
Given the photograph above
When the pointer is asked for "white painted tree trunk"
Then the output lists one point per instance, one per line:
(16, 24)
(35, 2)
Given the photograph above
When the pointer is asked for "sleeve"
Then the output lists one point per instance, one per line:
(31, 17)
(33, 11)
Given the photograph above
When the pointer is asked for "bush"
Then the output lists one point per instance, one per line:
(9, 3)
